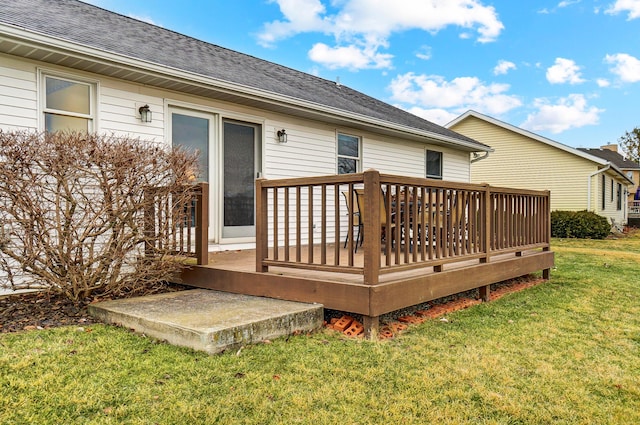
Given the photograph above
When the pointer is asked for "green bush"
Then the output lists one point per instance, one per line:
(579, 224)
(560, 221)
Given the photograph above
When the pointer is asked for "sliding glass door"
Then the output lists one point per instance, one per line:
(241, 164)
(229, 155)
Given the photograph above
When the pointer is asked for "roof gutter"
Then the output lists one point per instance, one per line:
(48, 42)
(477, 157)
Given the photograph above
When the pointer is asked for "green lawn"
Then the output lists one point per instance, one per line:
(566, 351)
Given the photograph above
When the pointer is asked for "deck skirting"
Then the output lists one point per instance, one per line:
(393, 293)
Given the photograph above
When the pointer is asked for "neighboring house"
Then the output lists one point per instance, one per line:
(577, 180)
(631, 169)
(65, 64)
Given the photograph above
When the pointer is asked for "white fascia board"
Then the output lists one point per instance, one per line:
(84, 52)
(528, 134)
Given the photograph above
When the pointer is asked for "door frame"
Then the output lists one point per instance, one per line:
(170, 110)
(258, 167)
(216, 170)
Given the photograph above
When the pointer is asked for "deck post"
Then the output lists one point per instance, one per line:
(372, 227)
(371, 326)
(202, 224)
(149, 221)
(262, 236)
(485, 293)
(546, 273)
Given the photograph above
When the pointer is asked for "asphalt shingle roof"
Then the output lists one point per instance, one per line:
(613, 157)
(91, 26)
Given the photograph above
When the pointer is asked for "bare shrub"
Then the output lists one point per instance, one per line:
(72, 211)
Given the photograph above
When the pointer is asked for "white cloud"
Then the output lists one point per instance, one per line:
(632, 7)
(567, 113)
(432, 91)
(560, 5)
(351, 57)
(370, 23)
(424, 53)
(625, 66)
(567, 3)
(300, 16)
(437, 116)
(564, 71)
(503, 67)
(603, 82)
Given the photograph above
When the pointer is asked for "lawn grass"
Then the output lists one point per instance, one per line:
(566, 351)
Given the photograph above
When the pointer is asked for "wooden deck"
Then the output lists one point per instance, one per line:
(234, 271)
(423, 239)
(634, 214)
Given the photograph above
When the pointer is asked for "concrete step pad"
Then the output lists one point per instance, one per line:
(208, 320)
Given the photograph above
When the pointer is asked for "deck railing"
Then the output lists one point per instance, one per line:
(407, 223)
(182, 220)
(634, 209)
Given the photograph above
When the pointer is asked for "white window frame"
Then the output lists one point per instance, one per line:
(358, 158)
(426, 165)
(93, 85)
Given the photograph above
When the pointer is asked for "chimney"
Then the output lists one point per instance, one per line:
(611, 147)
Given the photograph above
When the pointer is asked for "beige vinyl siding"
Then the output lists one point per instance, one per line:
(456, 166)
(310, 150)
(118, 111)
(611, 202)
(18, 102)
(394, 156)
(311, 147)
(409, 159)
(522, 162)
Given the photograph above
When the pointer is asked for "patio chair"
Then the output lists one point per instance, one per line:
(459, 220)
(355, 220)
(384, 232)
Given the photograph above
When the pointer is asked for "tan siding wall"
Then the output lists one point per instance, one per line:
(636, 183)
(521, 162)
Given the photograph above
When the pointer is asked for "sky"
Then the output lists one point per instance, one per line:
(566, 70)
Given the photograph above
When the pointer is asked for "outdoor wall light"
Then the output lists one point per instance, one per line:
(282, 136)
(145, 113)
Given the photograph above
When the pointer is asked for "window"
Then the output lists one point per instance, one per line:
(67, 104)
(434, 165)
(348, 154)
(612, 190)
(619, 199)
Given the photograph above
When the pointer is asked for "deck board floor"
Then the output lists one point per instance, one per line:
(244, 261)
